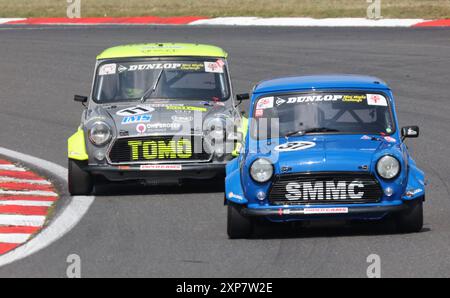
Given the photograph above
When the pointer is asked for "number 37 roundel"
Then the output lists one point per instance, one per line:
(295, 146)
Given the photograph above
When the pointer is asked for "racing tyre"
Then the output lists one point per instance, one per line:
(80, 181)
(411, 220)
(238, 226)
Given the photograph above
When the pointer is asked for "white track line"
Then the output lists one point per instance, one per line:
(11, 168)
(28, 193)
(22, 220)
(27, 203)
(308, 22)
(67, 219)
(7, 20)
(16, 180)
(14, 238)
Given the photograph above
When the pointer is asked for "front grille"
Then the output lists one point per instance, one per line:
(324, 188)
(158, 149)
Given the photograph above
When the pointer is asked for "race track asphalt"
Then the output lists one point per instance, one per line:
(181, 232)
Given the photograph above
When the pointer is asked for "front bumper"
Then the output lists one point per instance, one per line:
(187, 171)
(301, 213)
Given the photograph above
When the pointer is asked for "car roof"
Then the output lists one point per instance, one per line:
(162, 50)
(314, 82)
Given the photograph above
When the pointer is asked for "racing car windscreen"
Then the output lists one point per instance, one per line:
(329, 113)
(127, 81)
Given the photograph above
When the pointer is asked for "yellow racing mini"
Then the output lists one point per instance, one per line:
(159, 113)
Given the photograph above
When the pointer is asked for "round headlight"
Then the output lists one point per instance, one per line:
(388, 167)
(216, 128)
(261, 170)
(100, 133)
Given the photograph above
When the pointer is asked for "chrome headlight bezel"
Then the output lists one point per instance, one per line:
(216, 128)
(98, 127)
(268, 170)
(388, 167)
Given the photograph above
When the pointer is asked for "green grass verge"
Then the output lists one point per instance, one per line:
(428, 9)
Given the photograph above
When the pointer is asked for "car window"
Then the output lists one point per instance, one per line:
(125, 81)
(354, 113)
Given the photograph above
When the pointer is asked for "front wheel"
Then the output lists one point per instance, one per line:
(80, 181)
(411, 220)
(239, 226)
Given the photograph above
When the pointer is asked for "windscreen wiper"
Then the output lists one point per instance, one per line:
(310, 130)
(151, 90)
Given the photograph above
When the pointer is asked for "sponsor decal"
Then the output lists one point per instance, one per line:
(186, 108)
(219, 103)
(121, 68)
(412, 132)
(156, 150)
(220, 62)
(199, 67)
(314, 98)
(137, 119)
(141, 128)
(324, 190)
(165, 126)
(265, 103)
(376, 100)
(135, 111)
(280, 101)
(310, 211)
(192, 67)
(161, 168)
(259, 113)
(213, 67)
(124, 133)
(182, 119)
(107, 69)
(284, 211)
(295, 146)
(366, 138)
(354, 98)
(96, 118)
(232, 195)
(182, 112)
(153, 66)
(390, 139)
(413, 192)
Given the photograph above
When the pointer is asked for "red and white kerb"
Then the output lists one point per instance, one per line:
(25, 200)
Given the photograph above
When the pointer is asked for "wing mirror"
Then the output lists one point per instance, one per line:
(80, 98)
(244, 96)
(410, 132)
(241, 97)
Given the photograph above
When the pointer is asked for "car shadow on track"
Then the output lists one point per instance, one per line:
(189, 187)
(327, 229)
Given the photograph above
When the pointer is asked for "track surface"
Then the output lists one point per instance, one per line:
(166, 233)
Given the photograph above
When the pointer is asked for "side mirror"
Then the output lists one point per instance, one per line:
(80, 98)
(241, 97)
(410, 132)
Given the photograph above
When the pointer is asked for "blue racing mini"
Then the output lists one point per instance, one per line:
(322, 147)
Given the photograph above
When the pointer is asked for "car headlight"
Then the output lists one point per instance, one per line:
(100, 134)
(217, 128)
(261, 170)
(388, 167)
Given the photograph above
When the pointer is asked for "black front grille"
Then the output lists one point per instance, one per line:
(167, 149)
(324, 188)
